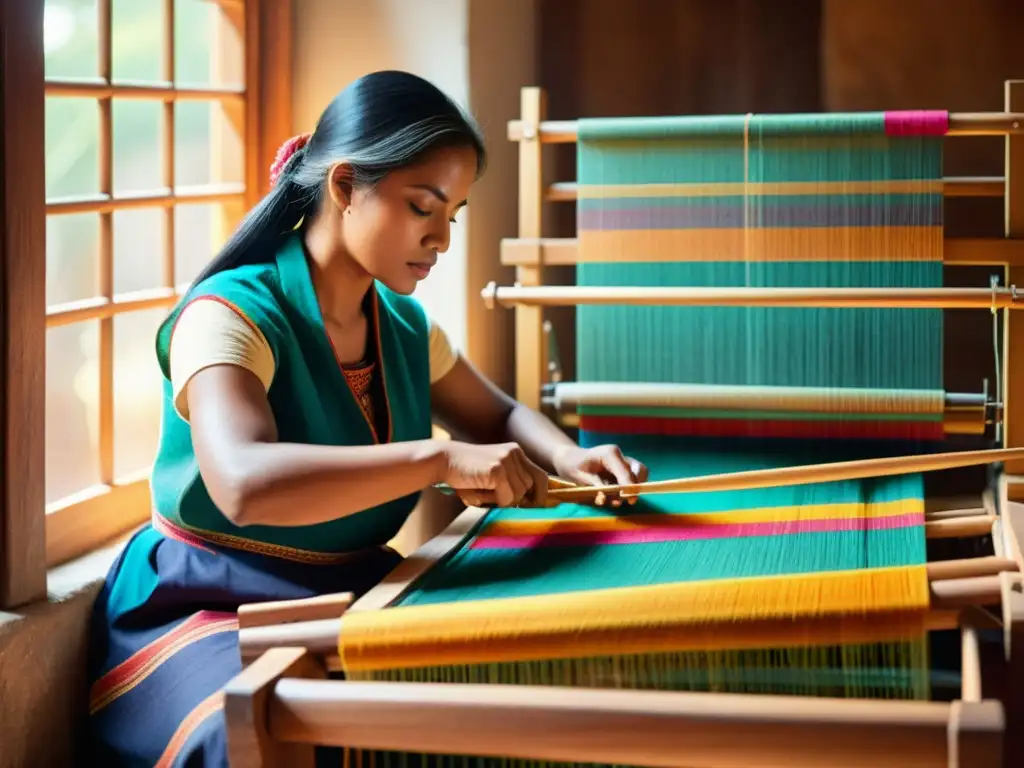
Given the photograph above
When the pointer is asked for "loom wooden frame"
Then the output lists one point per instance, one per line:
(530, 252)
(282, 703)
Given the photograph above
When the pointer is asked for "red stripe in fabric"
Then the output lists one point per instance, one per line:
(780, 428)
(654, 535)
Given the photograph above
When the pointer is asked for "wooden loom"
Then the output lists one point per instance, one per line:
(283, 703)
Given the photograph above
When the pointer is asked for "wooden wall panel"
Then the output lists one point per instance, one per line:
(958, 60)
(22, 304)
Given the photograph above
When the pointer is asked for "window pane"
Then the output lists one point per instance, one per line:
(137, 39)
(208, 43)
(72, 423)
(138, 145)
(208, 148)
(72, 147)
(194, 245)
(70, 42)
(137, 390)
(138, 249)
(71, 257)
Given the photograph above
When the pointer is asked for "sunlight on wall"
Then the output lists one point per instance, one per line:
(344, 39)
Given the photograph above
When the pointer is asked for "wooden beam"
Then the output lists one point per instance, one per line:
(275, 118)
(654, 728)
(246, 700)
(1013, 337)
(530, 352)
(999, 252)
(22, 304)
(167, 197)
(960, 124)
(982, 251)
(97, 516)
(268, 50)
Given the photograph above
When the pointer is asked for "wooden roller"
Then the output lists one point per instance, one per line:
(799, 475)
(960, 124)
(863, 298)
(962, 413)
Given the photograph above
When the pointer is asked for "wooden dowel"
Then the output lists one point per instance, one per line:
(969, 567)
(961, 413)
(908, 298)
(843, 400)
(956, 251)
(319, 637)
(967, 502)
(960, 124)
(985, 123)
(974, 186)
(652, 728)
(970, 665)
(799, 475)
(288, 611)
(949, 514)
(950, 594)
(958, 527)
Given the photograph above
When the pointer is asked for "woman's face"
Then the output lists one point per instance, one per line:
(396, 229)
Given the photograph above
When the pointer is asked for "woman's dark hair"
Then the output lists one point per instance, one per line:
(379, 123)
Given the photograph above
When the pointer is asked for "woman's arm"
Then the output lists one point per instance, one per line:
(255, 480)
(475, 409)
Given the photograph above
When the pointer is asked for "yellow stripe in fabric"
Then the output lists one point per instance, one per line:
(871, 605)
(789, 244)
(722, 189)
(842, 511)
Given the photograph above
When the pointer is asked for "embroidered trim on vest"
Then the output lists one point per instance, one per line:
(360, 379)
(197, 537)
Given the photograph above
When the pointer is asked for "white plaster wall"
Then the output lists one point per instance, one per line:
(337, 41)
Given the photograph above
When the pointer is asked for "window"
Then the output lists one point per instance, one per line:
(150, 123)
(145, 127)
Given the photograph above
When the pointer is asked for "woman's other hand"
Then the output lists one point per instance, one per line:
(601, 465)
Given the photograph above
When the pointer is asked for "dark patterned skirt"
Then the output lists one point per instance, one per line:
(164, 641)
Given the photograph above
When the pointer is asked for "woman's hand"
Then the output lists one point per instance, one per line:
(500, 474)
(601, 465)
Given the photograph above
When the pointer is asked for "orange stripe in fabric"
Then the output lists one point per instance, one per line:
(140, 665)
(788, 244)
(767, 188)
(208, 706)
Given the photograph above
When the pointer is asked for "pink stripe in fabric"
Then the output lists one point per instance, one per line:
(922, 122)
(735, 530)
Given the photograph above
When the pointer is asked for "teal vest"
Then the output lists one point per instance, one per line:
(311, 401)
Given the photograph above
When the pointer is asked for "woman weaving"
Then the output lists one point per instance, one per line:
(301, 381)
